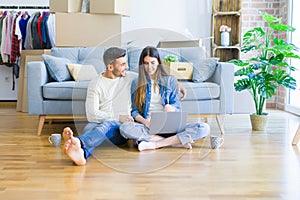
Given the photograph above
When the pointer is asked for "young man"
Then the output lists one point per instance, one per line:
(108, 104)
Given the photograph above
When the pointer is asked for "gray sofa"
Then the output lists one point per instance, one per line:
(51, 99)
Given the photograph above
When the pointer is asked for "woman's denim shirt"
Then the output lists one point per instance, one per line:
(167, 89)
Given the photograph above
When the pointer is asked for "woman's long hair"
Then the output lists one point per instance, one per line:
(140, 93)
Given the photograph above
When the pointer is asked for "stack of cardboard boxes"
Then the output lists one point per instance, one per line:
(102, 26)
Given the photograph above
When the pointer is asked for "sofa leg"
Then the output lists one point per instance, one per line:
(41, 124)
(220, 123)
(297, 136)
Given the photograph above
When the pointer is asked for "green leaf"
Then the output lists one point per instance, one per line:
(284, 79)
(253, 36)
(171, 58)
(239, 62)
(282, 27)
(277, 59)
(242, 84)
(271, 19)
(267, 90)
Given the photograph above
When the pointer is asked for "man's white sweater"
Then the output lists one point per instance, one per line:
(108, 98)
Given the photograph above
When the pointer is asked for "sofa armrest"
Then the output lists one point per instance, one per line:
(224, 76)
(37, 76)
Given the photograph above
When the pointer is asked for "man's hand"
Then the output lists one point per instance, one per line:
(125, 118)
(181, 90)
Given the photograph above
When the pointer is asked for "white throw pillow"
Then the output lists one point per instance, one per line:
(81, 72)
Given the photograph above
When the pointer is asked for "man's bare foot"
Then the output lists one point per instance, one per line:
(72, 147)
(67, 133)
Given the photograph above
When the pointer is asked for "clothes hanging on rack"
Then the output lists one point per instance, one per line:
(19, 31)
(33, 32)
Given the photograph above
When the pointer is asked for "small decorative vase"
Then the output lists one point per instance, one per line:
(224, 38)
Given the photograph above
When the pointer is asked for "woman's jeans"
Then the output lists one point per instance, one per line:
(140, 132)
(95, 133)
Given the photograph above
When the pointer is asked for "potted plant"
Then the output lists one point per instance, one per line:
(267, 66)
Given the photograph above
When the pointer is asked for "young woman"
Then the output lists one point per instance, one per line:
(155, 90)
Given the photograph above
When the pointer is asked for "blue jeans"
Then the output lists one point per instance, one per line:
(140, 132)
(94, 134)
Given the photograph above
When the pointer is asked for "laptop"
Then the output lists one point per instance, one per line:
(167, 122)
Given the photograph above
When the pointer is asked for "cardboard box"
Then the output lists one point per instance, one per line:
(65, 6)
(83, 29)
(181, 70)
(120, 7)
(27, 56)
(181, 43)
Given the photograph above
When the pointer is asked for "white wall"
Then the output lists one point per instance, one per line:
(151, 21)
(6, 84)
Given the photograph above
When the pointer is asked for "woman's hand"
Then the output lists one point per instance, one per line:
(147, 123)
(169, 108)
(181, 90)
(142, 120)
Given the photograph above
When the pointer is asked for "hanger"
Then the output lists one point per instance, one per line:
(25, 15)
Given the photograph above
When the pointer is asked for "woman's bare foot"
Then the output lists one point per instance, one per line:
(72, 147)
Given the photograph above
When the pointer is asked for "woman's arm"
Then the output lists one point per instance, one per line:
(134, 111)
(142, 120)
(172, 102)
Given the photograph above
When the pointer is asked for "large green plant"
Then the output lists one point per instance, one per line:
(267, 66)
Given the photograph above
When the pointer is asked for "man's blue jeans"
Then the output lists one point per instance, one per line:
(94, 134)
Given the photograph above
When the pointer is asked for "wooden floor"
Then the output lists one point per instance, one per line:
(250, 165)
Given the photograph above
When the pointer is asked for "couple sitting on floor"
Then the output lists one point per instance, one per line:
(114, 114)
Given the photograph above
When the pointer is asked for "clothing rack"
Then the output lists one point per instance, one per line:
(24, 7)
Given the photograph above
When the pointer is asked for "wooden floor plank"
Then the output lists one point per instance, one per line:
(250, 165)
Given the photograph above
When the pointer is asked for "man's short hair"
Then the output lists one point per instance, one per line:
(113, 53)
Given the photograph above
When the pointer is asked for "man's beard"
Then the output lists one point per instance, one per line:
(117, 73)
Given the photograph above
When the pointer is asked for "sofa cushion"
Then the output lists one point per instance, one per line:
(70, 53)
(133, 55)
(163, 52)
(81, 72)
(201, 91)
(67, 90)
(204, 69)
(57, 67)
